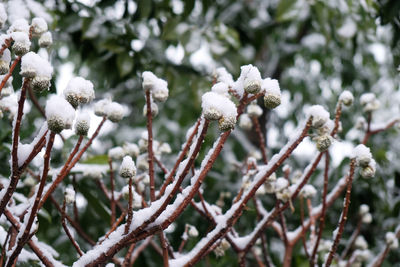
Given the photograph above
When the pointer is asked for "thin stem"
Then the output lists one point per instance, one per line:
(303, 229)
(64, 225)
(24, 238)
(164, 247)
(112, 200)
(150, 146)
(130, 208)
(5, 79)
(352, 239)
(261, 139)
(343, 218)
(323, 213)
(128, 255)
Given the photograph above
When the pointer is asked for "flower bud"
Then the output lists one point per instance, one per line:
(115, 112)
(82, 124)
(364, 209)
(323, 142)
(116, 153)
(193, 231)
(100, 107)
(128, 168)
(154, 109)
(40, 83)
(272, 101)
(79, 91)
(131, 149)
(226, 123)
(39, 26)
(245, 122)
(69, 195)
(347, 98)
(160, 94)
(308, 191)
(367, 218)
(5, 62)
(252, 86)
(254, 110)
(212, 114)
(45, 40)
(367, 172)
(391, 240)
(21, 44)
(59, 113)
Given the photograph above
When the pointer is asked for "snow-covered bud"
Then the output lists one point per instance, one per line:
(323, 142)
(59, 113)
(221, 248)
(361, 243)
(69, 195)
(284, 195)
(115, 112)
(131, 149)
(272, 177)
(368, 172)
(319, 115)
(363, 155)
(154, 109)
(82, 124)
(281, 183)
(21, 44)
(30, 181)
(367, 218)
(79, 91)
(346, 97)
(272, 97)
(261, 190)
(100, 107)
(391, 240)
(308, 191)
(220, 88)
(19, 25)
(116, 153)
(93, 173)
(361, 123)
(142, 162)
(128, 168)
(216, 106)
(245, 122)
(227, 123)
(33, 65)
(40, 83)
(3, 15)
(146, 179)
(252, 79)
(369, 102)
(165, 148)
(45, 40)
(364, 209)
(5, 62)
(157, 86)
(39, 26)
(222, 75)
(254, 110)
(192, 232)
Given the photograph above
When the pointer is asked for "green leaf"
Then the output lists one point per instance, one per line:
(189, 5)
(169, 32)
(284, 10)
(124, 64)
(45, 214)
(144, 8)
(98, 159)
(98, 207)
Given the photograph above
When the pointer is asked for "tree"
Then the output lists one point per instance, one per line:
(317, 51)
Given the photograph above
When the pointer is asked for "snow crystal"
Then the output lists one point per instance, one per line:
(34, 64)
(212, 102)
(319, 114)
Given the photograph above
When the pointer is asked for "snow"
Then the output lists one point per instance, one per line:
(308, 191)
(213, 102)
(82, 121)
(3, 14)
(348, 29)
(57, 108)
(128, 168)
(346, 97)
(23, 152)
(224, 76)
(116, 153)
(364, 209)
(271, 86)
(115, 111)
(248, 74)
(220, 88)
(6, 56)
(19, 25)
(21, 37)
(319, 114)
(69, 195)
(16, 9)
(367, 98)
(32, 63)
(100, 107)
(362, 154)
(157, 86)
(281, 183)
(254, 110)
(81, 89)
(39, 25)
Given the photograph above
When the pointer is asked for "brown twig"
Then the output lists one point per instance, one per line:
(112, 198)
(303, 229)
(343, 218)
(150, 146)
(8, 75)
(130, 208)
(261, 139)
(64, 225)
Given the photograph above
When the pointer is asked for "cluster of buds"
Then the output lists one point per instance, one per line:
(369, 102)
(366, 216)
(112, 110)
(282, 189)
(392, 240)
(158, 89)
(38, 70)
(322, 126)
(219, 107)
(364, 160)
(221, 248)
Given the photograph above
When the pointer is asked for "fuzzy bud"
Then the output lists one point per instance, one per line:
(391, 240)
(39, 26)
(212, 114)
(364, 209)
(252, 86)
(100, 107)
(347, 98)
(254, 110)
(69, 195)
(116, 153)
(131, 149)
(79, 91)
(192, 232)
(154, 109)
(128, 168)
(245, 122)
(323, 142)
(367, 218)
(45, 40)
(59, 113)
(272, 101)
(82, 124)
(368, 172)
(40, 83)
(308, 191)
(21, 44)
(226, 123)
(115, 112)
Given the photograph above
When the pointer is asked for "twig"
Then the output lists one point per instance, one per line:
(343, 218)
(64, 225)
(130, 208)
(261, 139)
(150, 146)
(112, 199)
(5, 79)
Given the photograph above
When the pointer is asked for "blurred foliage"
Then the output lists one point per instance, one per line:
(315, 48)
